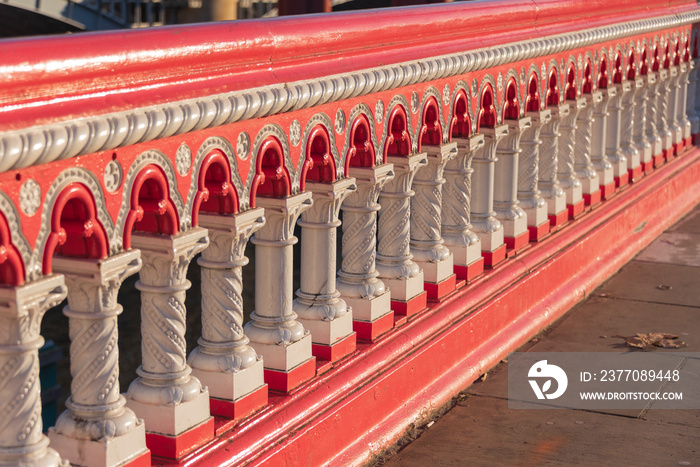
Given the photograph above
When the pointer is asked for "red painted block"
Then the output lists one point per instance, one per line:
(437, 292)
(495, 257)
(694, 138)
(555, 220)
(688, 142)
(659, 160)
(622, 180)
(668, 153)
(592, 199)
(470, 271)
(516, 243)
(241, 407)
(369, 331)
(648, 166)
(575, 210)
(175, 447)
(635, 174)
(285, 381)
(142, 460)
(539, 232)
(607, 191)
(412, 306)
(337, 350)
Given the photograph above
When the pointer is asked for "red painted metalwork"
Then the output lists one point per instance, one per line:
(587, 81)
(75, 230)
(487, 109)
(461, 124)
(361, 151)
(532, 101)
(511, 106)
(398, 140)
(11, 264)
(319, 165)
(644, 62)
(552, 94)
(215, 192)
(603, 77)
(151, 208)
(570, 88)
(617, 70)
(271, 175)
(655, 59)
(631, 68)
(667, 55)
(431, 130)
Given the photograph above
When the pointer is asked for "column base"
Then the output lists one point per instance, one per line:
(369, 309)
(436, 271)
(170, 420)
(537, 233)
(371, 330)
(622, 180)
(404, 290)
(175, 447)
(337, 350)
(659, 160)
(495, 257)
(555, 220)
(327, 333)
(227, 385)
(284, 356)
(240, 408)
(575, 210)
(606, 191)
(285, 381)
(635, 174)
(517, 243)
(438, 291)
(592, 199)
(470, 271)
(412, 306)
(108, 452)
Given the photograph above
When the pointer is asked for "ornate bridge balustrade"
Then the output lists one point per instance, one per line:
(485, 164)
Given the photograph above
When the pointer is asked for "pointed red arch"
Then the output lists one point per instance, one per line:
(11, 265)
(398, 140)
(487, 109)
(431, 130)
(361, 151)
(461, 124)
(319, 165)
(215, 191)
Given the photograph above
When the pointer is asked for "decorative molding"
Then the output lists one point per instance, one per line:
(361, 109)
(325, 121)
(46, 143)
(398, 99)
(271, 129)
(17, 236)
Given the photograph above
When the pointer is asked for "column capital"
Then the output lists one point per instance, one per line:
(438, 156)
(593, 98)
(93, 284)
(561, 110)
(370, 181)
(228, 236)
(282, 215)
(540, 117)
(491, 138)
(327, 199)
(663, 74)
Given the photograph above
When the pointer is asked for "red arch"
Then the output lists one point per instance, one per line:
(215, 191)
(631, 68)
(11, 264)
(461, 125)
(570, 89)
(431, 130)
(552, 94)
(686, 49)
(319, 165)
(361, 151)
(532, 101)
(511, 106)
(271, 176)
(603, 78)
(487, 109)
(617, 71)
(644, 62)
(151, 210)
(667, 55)
(677, 53)
(655, 60)
(75, 230)
(398, 141)
(587, 81)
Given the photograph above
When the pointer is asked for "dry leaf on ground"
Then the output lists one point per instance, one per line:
(654, 339)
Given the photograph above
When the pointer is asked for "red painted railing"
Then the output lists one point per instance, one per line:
(484, 155)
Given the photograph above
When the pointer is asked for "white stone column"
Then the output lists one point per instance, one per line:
(358, 280)
(613, 141)
(628, 112)
(529, 194)
(548, 182)
(662, 126)
(165, 394)
(599, 141)
(566, 168)
(653, 107)
(273, 329)
(223, 361)
(457, 232)
(639, 137)
(318, 305)
(483, 219)
(21, 311)
(394, 259)
(427, 245)
(692, 102)
(674, 90)
(585, 172)
(505, 202)
(96, 428)
(682, 100)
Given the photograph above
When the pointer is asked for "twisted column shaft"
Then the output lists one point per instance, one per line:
(529, 195)
(652, 105)
(505, 203)
(585, 172)
(548, 182)
(566, 168)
